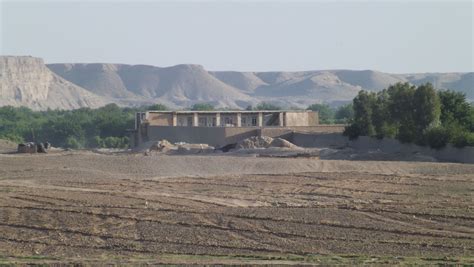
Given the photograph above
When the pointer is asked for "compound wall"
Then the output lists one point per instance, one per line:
(365, 144)
(219, 136)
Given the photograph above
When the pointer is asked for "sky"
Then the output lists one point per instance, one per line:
(389, 36)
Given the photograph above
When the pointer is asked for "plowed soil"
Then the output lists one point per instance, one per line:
(83, 207)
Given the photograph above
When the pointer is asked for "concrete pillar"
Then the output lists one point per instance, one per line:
(195, 119)
(175, 119)
(239, 119)
(281, 119)
(218, 119)
(260, 119)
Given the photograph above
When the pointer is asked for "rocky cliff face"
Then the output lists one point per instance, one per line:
(26, 81)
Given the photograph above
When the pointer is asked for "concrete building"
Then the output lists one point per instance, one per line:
(217, 128)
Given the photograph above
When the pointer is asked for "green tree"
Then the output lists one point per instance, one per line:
(455, 108)
(401, 110)
(363, 104)
(344, 114)
(381, 116)
(414, 114)
(202, 107)
(158, 107)
(326, 113)
(437, 137)
(267, 106)
(427, 108)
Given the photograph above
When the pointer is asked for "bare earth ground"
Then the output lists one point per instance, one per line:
(86, 207)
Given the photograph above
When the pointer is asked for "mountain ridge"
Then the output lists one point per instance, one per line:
(27, 81)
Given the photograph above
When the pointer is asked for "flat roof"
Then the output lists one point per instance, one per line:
(227, 111)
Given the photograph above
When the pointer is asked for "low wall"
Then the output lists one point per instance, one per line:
(215, 136)
(220, 136)
(364, 144)
(329, 128)
(321, 140)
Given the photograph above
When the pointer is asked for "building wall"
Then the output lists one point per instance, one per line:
(162, 119)
(248, 118)
(220, 136)
(322, 128)
(228, 120)
(215, 136)
(301, 119)
(182, 119)
(296, 119)
(313, 118)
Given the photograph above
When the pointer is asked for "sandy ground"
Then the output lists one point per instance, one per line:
(87, 207)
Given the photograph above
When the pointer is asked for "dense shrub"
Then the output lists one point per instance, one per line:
(352, 131)
(202, 107)
(437, 137)
(267, 106)
(72, 142)
(344, 114)
(462, 139)
(78, 128)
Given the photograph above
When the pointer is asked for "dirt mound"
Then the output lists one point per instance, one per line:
(7, 146)
(279, 142)
(162, 146)
(255, 142)
(186, 149)
(264, 142)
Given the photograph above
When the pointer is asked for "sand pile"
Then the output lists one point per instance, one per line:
(264, 142)
(164, 146)
(186, 149)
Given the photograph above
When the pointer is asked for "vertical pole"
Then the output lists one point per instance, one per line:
(260, 119)
(218, 119)
(239, 119)
(195, 119)
(175, 119)
(281, 118)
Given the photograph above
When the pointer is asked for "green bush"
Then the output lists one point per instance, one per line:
(202, 107)
(72, 142)
(352, 131)
(344, 113)
(78, 128)
(111, 142)
(462, 139)
(267, 106)
(437, 137)
(13, 137)
(115, 142)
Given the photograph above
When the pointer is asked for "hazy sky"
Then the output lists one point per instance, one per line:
(390, 36)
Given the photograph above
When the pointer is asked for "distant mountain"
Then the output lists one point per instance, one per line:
(461, 82)
(180, 86)
(27, 81)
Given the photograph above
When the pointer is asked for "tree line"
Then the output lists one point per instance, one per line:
(104, 127)
(419, 115)
(414, 114)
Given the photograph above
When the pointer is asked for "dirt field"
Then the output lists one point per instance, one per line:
(85, 207)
